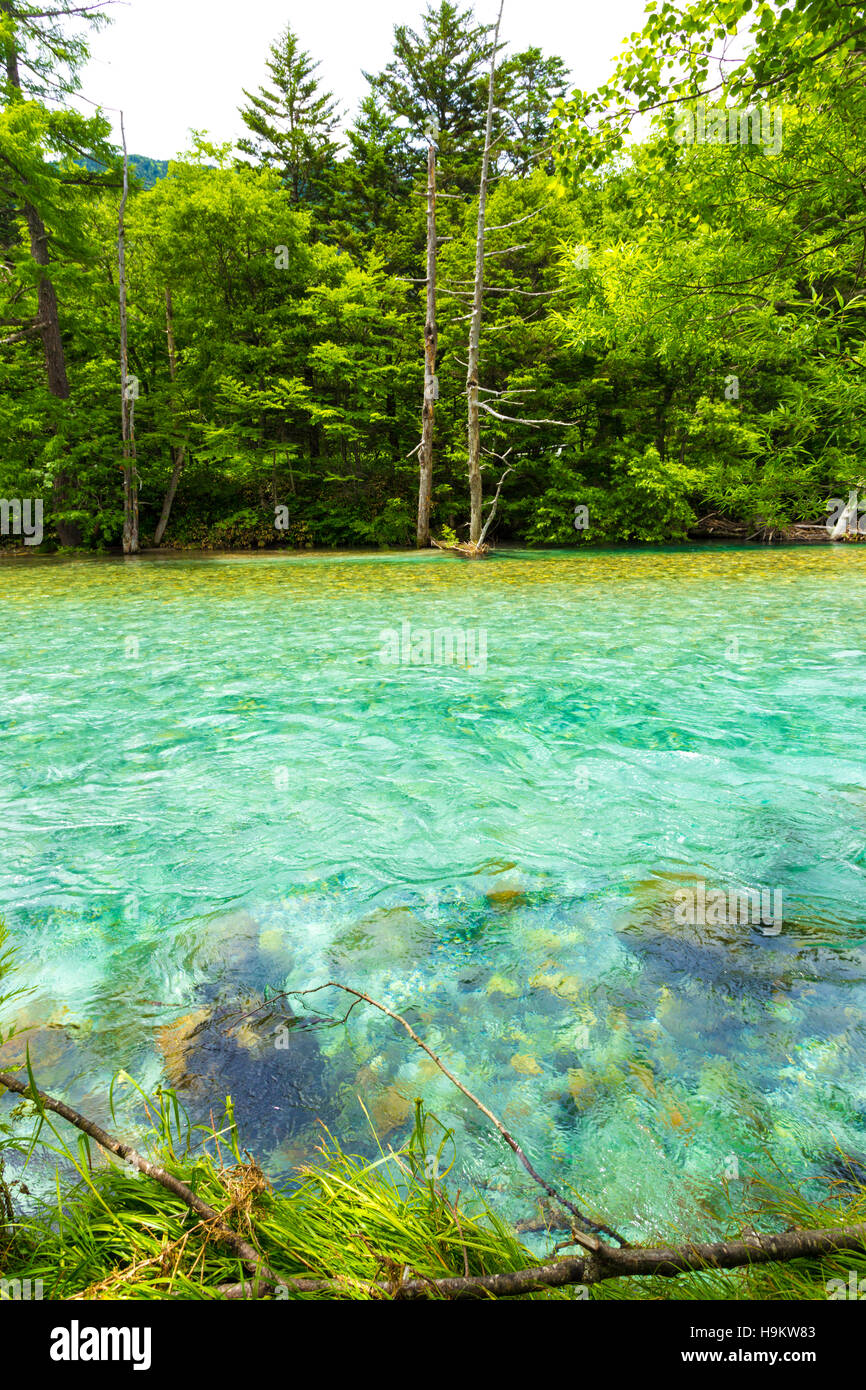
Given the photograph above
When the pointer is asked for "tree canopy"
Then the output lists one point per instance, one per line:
(673, 323)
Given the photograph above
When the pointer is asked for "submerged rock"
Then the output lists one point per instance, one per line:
(505, 899)
(48, 1045)
(845, 1171)
(389, 1107)
(265, 1058)
(526, 1064)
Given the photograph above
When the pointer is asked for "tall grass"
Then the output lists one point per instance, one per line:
(118, 1235)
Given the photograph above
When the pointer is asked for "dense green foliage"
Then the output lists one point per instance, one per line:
(688, 315)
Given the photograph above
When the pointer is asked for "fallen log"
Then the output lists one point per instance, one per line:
(465, 549)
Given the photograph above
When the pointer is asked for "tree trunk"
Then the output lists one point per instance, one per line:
(49, 315)
(425, 453)
(127, 393)
(476, 495)
(178, 451)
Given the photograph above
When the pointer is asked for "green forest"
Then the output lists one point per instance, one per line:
(672, 302)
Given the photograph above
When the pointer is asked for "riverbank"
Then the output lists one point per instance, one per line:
(352, 1229)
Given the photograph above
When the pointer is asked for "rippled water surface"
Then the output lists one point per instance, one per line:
(214, 789)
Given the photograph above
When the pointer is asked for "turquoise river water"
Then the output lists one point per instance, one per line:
(215, 788)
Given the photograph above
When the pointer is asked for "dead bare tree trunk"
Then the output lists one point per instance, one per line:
(425, 453)
(476, 491)
(49, 314)
(128, 386)
(178, 450)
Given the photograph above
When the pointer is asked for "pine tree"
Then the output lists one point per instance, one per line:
(292, 126)
(374, 207)
(528, 84)
(438, 75)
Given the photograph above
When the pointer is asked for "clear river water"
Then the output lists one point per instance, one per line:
(225, 777)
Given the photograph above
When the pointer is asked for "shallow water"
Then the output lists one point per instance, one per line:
(213, 785)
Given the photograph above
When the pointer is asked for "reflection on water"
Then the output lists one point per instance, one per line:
(214, 791)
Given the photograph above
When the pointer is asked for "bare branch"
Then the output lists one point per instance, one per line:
(513, 420)
(589, 1241)
(492, 513)
(521, 247)
(501, 226)
(21, 335)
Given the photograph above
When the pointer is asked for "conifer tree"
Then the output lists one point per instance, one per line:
(292, 123)
(438, 74)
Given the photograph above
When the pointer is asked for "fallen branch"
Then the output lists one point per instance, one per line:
(581, 1237)
(665, 1261)
(468, 550)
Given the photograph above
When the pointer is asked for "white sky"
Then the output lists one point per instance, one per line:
(174, 65)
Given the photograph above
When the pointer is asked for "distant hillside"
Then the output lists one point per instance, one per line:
(148, 170)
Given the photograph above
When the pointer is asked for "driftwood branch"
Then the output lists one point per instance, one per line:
(580, 1235)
